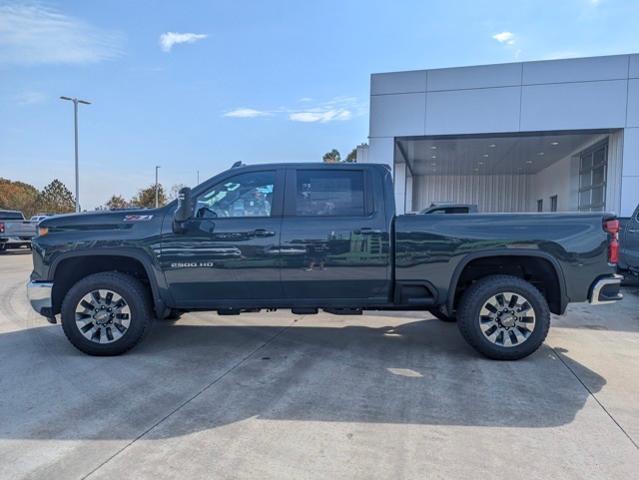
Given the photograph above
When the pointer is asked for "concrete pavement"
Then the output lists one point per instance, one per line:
(276, 395)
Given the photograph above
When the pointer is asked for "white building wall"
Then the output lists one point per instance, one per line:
(555, 95)
(561, 179)
(491, 193)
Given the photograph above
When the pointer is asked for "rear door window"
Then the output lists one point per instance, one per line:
(11, 216)
(329, 193)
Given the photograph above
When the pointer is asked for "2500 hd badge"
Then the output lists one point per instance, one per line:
(192, 265)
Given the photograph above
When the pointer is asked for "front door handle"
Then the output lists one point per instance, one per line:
(633, 230)
(369, 231)
(262, 232)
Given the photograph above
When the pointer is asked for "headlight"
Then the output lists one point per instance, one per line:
(42, 231)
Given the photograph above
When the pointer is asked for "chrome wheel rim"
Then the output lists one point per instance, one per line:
(102, 316)
(507, 319)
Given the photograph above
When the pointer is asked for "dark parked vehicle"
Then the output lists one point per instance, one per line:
(317, 236)
(629, 244)
(449, 208)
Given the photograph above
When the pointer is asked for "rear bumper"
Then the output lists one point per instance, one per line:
(39, 294)
(606, 290)
(13, 241)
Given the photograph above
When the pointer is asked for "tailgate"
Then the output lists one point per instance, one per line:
(19, 229)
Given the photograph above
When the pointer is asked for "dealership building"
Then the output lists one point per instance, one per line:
(558, 135)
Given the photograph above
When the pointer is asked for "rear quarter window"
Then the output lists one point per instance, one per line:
(11, 216)
(330, 193)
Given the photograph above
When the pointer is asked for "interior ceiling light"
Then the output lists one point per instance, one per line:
(434, 156)
(492, 145)
(541, 154)
(554, 144)
(485, 155)
(528, 162)
(481, 163)
(477, 169)
(434, 147)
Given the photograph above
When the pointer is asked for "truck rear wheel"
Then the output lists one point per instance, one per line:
(106, 313)
(503, 317)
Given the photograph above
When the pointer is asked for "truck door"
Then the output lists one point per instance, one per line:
(230, 250)
(335, 236)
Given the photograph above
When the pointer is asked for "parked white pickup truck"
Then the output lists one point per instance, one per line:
(15, 231)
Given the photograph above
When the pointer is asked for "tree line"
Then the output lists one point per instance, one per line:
(56, 198)
(334, 156)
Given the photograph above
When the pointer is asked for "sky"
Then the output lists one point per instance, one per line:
(198, 85)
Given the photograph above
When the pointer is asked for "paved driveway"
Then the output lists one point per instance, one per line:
(283, 396)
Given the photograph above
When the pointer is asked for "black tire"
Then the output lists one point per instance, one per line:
(131, 290)
(3, 247)
(474, 299)
(435, 312)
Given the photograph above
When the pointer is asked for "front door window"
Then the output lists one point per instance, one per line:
(245, 195)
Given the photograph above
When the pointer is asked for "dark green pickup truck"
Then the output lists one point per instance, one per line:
(317, 236)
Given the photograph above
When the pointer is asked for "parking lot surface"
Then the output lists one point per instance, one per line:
(277, 395)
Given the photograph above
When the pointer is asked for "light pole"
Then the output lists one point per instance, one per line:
(75, 123)
(157, 167)
(198, 177)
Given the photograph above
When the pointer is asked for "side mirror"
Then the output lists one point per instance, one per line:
(184, 210)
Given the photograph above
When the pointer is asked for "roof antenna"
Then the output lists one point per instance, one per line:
(237, 164)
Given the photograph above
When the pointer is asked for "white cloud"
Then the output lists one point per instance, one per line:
(336, 109)
(34, 34)
(507, 38)
(168, 39)
(321, 116)
(30, 98)
(246, 113)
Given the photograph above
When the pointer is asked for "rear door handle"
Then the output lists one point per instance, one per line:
(262, 232)
(633, 230)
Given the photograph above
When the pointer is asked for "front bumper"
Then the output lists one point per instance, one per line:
(606, 290)
(39, 294)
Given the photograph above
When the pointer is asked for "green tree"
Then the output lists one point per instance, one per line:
(19, 196)
(352, 157)
(332, 157)
(145, 197)
(56, 198)
(116, 202)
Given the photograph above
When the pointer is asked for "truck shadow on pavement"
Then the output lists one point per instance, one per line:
(188, 378)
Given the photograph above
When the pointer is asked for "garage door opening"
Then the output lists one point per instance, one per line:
(541, 171)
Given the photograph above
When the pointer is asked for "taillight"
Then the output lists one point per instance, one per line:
(612, 228)
(1, 227)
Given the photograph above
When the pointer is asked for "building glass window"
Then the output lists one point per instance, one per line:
(553, 203)
(593, 166)
(540, 205)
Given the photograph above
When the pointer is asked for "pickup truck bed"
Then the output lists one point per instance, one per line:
(15, 231)
(310, 237)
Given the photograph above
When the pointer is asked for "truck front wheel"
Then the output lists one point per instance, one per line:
(503, 317)
(106, 313)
